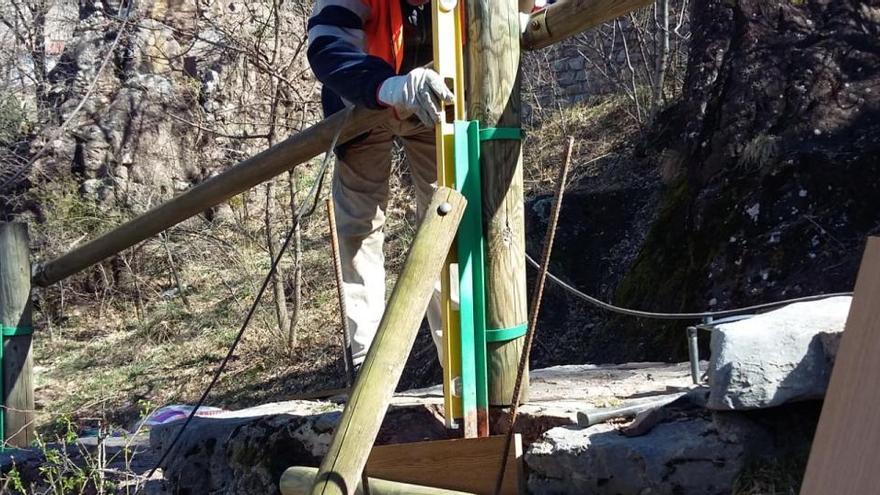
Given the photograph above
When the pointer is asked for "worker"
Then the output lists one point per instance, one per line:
(370, 53)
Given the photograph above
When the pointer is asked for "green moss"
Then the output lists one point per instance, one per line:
(669, 275)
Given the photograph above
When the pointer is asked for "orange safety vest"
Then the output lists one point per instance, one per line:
(384, 31)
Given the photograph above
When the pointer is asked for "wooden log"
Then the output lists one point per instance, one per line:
(559, 21)
(494, 100)
(298, 480)
(567, 18)
(17, 326)
(353, 440)
(280, 158)
(472, 460)
(843, 458)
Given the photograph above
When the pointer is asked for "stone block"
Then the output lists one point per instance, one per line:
(781, 356)
(696, 456)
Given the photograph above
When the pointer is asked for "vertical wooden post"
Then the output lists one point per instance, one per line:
(493, 99)
(15, 320)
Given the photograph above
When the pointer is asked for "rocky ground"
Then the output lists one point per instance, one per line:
(756, 406)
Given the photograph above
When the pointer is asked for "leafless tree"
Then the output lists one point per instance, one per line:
(641, 55)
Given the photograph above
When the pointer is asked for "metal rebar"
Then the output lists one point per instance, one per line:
(694, 353)
(340, 292)
(537, 295)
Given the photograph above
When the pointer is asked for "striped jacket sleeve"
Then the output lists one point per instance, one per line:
(337, 51)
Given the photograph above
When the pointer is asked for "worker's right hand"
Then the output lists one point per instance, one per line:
(421, 92)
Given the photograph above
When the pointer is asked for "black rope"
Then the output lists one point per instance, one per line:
(678, 316)
(301, 213)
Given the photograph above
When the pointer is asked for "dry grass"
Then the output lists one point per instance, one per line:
(120, 335)
(601, 127)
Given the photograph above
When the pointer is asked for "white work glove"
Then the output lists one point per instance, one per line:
(420, 92)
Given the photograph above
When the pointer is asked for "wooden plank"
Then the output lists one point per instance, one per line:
(352, 441)
(844, 459)
(17, 352)
(467, 464)
(298, 479)
(494, 101)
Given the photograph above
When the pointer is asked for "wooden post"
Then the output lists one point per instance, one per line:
(559, 21)
(353, 439)
(494, 100)
(567, 18)
(15, 320)
(280, 158)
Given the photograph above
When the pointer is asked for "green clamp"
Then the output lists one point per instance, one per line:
(16, 331)
(495, 133)
(505, 334)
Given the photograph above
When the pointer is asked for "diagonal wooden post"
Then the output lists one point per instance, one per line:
(16, 353)
(493, 100)
(341, 469)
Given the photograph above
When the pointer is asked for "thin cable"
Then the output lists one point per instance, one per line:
(300, 213)
(678, 316)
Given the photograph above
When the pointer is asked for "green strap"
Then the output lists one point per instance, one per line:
(504, 334)
(493, 133)
(16, 331)
(469, 234)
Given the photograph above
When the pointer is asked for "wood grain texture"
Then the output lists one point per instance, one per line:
(341, 468)
(567, 18)
(467, 464)
(844, 458)
(298, 480)
(494, 100)
(280, 158)
(15, 311)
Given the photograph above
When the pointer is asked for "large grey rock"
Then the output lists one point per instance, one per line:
(694, 456)
(244, 452)
(558, 394)
(781, 356)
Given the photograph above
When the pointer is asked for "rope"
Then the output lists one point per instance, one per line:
(300, 213)
(678, 316)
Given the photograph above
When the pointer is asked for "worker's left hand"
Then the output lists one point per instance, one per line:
(421, 92)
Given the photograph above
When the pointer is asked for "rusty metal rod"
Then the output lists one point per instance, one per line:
(537, 295)
(340, 292)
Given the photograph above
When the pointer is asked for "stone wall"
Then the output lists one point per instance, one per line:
(573, 70)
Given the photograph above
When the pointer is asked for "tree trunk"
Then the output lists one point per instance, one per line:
(661, 59)
(273, 243)
(777, 142)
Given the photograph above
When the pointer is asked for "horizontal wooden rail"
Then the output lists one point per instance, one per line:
(567, 18)
(551, 25)
(278, 159)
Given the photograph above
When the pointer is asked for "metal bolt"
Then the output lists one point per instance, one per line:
(444, 208)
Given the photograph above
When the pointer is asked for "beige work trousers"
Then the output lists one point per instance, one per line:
(360, 195)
